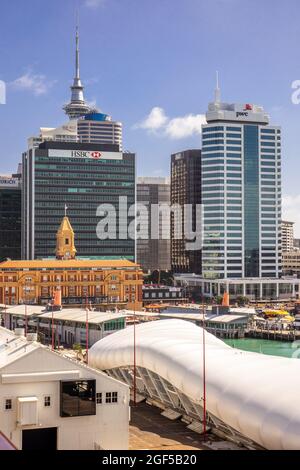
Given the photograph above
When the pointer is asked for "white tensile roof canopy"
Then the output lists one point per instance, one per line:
(255, 394)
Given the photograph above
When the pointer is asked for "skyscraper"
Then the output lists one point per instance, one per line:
(82, 176)
(185, 189)
(241, 192)
(154, 254)
(10, 217)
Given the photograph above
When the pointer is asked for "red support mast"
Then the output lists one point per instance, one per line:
(52, 322)
(134, 359)
(204, 369)
(87, 330)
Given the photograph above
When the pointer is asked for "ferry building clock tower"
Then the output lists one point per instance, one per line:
(65, 240)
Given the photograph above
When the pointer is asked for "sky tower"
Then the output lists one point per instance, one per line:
(77, 106)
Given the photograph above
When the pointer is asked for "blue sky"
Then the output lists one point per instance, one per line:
(137, 55)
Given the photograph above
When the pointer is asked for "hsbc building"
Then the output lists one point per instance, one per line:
(82, 176)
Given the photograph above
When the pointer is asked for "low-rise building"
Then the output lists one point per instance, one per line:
(50, 402)
(153, 293)
(69, 325)
(106, 283)
(254, 289)
(291, 262)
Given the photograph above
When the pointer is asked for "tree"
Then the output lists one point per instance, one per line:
(242, 301)
(160, 277)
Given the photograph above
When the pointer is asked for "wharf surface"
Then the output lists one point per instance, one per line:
(277, 335)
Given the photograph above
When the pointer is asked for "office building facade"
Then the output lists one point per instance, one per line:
(82, 177)
(152, 253)
(291, 262)
(185, 189)
(10, 217)
(99, 128)
(287, 235)
(241, 193)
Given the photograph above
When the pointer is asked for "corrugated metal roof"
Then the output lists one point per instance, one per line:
(79, 316)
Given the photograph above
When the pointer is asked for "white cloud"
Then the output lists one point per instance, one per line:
(34, 83)
(291, 211)
(186, 126)
(155, 120)
(174, 128)
(94, 3)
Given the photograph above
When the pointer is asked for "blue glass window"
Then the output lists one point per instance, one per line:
(232, 149)
(237, 129)
(212, 129)
(213, 149)
(212, 142)
(251, 198)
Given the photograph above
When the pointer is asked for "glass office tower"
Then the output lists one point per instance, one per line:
(241, 193)
(10, 217)
(82, 177)
(152, 253)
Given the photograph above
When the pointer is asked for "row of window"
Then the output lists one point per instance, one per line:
(110, 397)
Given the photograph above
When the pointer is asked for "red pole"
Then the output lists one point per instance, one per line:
(52, 324)
(204, 371)
(87, 331)
(134, 359)
(87, 335)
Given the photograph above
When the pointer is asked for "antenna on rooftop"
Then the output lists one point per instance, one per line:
(217, 89)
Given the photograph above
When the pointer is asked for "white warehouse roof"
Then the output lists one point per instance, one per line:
(255, 394)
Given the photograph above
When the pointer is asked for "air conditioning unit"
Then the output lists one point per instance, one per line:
(27, 411)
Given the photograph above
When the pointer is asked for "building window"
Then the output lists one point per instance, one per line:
(47, 401)
(8, 404)
(111, 397)
(77, 398)
(99, 398)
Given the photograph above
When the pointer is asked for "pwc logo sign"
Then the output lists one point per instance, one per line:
(245, 113)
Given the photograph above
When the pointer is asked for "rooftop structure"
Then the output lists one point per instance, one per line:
(69, 324)
(168, 372)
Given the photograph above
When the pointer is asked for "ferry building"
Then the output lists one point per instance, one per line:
(104, 283)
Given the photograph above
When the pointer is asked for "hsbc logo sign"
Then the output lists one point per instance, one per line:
(81, 154)
(88, 154)
(96, 155)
